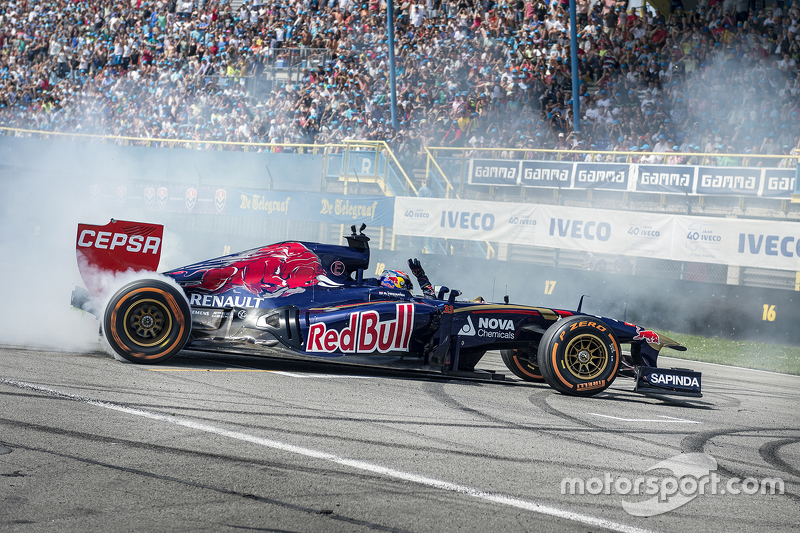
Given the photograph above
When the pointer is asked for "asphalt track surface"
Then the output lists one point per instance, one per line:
(222, 443)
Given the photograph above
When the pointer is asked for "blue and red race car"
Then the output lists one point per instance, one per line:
(312, 301)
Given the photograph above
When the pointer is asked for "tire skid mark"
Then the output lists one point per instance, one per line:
(437, 392)
(395, 475)
(541, 401)
(769, 452)
(393, 445)
(697, 443)
(169, 449)
(220, 490)
(135, 444)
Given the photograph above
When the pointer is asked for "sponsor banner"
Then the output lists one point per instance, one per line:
(704, 240)
(178, 198)
(605, 231)
(312, 207)
(778, 183)
(648, 235)
(660, 179)
(371, 210)
(551, 174)
(665, 178)
(764, 244)
(753, 243)
(728, 181)
(494, 172)
(601, 176)
(466, 219)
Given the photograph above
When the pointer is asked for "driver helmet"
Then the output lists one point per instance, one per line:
(396, 279)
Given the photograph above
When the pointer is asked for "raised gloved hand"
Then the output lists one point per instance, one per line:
(415, 267)
(419, 273)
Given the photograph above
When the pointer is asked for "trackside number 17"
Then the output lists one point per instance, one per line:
(549, 286)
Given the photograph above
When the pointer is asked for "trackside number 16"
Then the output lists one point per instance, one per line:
(769, 313)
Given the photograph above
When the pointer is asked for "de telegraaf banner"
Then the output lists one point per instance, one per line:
(735, 242)
(312, 207)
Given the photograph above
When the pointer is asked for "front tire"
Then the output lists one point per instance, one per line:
(147, 321)
(522, 364)
(579, 356)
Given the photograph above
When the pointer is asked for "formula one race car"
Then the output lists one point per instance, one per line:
(312, 301)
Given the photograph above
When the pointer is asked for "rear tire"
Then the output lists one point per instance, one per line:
(147, 321)
(522, 364)
(579, 356)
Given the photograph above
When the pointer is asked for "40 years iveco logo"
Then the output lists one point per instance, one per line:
(417, 213)
(496, 328)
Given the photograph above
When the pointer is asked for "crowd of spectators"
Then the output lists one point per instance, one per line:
(721, 78)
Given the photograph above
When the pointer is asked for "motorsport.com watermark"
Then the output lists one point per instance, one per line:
(693, 475)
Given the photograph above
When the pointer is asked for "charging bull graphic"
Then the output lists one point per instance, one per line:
(276, 270)
(646, 335)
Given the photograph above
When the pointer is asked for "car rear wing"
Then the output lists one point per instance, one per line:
(119, 246)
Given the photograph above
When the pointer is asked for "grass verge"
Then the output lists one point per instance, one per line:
(761, 356)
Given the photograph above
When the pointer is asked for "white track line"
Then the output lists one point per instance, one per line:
(668, 419)
(353, 463)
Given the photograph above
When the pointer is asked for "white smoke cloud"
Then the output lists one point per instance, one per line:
(45, 197)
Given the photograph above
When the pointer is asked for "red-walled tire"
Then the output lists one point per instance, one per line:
(147, 321)
(522, 364)
(579, 356)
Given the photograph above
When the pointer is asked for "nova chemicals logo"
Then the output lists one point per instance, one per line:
(468, 330)
(496, 328)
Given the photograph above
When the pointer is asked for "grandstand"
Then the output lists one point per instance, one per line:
(304, 86)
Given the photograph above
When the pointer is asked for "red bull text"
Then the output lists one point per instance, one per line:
(365, 333)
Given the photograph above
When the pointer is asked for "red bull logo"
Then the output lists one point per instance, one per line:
(395, 279)
(365, 333)
(646, 335)
(276, 270)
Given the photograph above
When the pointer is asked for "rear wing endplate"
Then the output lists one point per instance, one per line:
(119, 246)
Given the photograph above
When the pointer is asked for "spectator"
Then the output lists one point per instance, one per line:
(502, 74)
